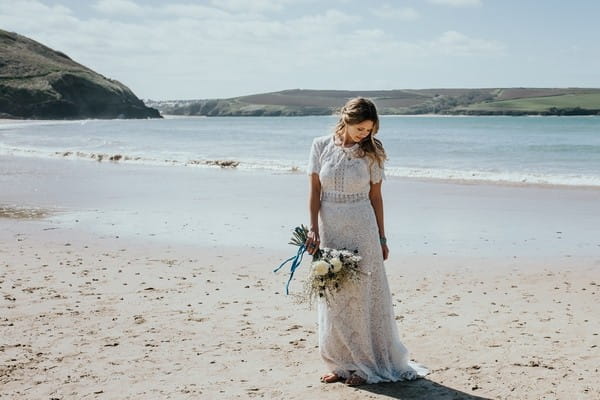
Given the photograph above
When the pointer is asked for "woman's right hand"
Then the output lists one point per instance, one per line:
(312, 242)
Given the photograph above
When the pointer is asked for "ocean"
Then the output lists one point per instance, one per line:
(521, 150)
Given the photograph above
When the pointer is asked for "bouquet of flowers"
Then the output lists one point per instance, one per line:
(329, 270)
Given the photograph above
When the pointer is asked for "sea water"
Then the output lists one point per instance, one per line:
(524, 150)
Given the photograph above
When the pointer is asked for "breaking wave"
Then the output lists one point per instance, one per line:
(471, 176)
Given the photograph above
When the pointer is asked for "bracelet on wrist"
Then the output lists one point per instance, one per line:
(383, 240)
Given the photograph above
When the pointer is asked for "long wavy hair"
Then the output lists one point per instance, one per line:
(355, 111)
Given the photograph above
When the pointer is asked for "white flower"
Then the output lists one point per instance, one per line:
(320, 268)
(337, 264)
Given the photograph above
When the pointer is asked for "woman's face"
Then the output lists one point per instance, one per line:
(358, 132)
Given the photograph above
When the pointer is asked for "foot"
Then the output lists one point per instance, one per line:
(331, 378)
(355, 380)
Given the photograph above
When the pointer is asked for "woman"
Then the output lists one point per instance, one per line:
(358, 337)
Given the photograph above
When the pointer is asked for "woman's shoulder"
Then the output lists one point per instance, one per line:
(322, 141)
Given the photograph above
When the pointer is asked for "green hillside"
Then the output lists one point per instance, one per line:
(548, 104)
(38, 82)
(492, 101)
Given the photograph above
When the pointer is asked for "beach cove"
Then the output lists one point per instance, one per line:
(140, 281)
(154, 161)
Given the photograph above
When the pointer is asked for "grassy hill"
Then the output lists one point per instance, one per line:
(493, 101)
(38, 82)
(558, 104)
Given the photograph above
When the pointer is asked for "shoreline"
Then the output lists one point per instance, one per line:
(215, 205)
(176, 116)
(234, 165)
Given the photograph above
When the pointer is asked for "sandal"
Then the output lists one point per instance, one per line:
(331, 378)
(355, 380)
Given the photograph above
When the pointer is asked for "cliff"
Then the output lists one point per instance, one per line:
(37, 82)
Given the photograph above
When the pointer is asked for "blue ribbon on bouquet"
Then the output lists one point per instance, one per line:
(296, 261)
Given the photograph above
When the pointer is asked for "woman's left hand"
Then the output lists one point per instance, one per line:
(385, 251)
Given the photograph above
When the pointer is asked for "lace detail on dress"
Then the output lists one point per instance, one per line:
(314, 160)
(357, 330)
(344, 197)
(338, 179)
(376, 172)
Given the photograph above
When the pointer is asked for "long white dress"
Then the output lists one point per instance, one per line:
(357, 329)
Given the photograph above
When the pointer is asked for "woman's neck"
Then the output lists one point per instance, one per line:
(347, 142)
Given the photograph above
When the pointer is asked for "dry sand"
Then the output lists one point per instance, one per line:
(99, 318)
(90, 314)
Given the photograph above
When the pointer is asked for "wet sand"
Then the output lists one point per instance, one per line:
(139, 282)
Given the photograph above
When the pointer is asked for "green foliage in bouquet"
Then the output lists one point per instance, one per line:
(299, 238)
(330, 269)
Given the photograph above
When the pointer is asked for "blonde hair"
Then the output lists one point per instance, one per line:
(355, 111)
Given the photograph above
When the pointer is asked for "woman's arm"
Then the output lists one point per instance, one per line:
(377, 203)
(314, 205)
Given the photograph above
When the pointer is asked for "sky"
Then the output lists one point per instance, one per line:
(185, 49)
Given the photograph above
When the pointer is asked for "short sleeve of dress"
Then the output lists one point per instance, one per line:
(314, 160)
(376, 172)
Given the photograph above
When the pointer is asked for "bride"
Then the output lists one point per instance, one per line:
(358, 336)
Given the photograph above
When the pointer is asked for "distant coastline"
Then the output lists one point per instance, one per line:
(484, 101)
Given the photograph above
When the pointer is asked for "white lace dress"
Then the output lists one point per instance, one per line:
(357, 329)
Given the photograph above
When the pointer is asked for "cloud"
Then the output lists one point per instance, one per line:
(457, 3)
(33, 16)
(187, 50)
(190, 11)
(27, 6)
(389, 12)
(257, 6)
(331, 16)
(456, 43)
(119, 7)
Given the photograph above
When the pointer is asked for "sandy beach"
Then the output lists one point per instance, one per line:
(140, 282)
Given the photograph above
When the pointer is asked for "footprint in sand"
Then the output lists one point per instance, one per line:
(294, 327)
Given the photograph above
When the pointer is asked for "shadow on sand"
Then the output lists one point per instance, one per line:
(419, 389)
